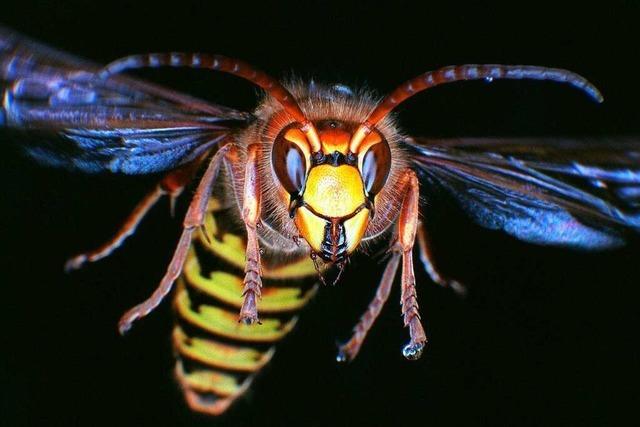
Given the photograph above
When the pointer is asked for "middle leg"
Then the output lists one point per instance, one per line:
(194, 218)
(426, 257)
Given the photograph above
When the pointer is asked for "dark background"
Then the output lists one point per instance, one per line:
(545, 336)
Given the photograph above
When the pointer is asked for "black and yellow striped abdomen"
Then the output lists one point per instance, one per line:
(217, 357)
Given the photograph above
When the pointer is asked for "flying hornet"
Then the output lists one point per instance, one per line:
(286, 194)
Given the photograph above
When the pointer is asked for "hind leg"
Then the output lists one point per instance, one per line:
(171, 185)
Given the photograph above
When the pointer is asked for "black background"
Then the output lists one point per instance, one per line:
(545, 336)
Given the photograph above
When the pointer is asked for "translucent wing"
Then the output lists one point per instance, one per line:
(578, 193)
(94, 124)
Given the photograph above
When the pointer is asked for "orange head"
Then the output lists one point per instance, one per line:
(332, 190)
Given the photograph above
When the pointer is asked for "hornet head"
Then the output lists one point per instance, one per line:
(332, 189)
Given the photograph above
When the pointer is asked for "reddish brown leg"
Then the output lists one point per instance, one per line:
(172, 184)
(426, 256)
(193, 219)
(251, 216)
(349, 350)
(127, 229)
(407, 225)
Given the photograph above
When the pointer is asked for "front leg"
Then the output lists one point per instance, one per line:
(407, 226)
(349, 350)
(251, 200)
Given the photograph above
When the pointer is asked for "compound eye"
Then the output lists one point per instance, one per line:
(375, 167)
(289, 161)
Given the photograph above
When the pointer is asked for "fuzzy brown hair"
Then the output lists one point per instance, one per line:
(318, 102)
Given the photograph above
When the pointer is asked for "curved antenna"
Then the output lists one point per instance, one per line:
(457, 73)
(225, 65)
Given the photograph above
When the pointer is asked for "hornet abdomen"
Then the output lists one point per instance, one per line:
(217, 356)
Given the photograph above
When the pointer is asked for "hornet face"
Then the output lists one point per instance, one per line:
(332, 191)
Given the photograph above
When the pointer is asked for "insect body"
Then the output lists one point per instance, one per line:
(294, 188)
(216, 356)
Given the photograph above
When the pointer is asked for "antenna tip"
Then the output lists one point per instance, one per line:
(594, 93)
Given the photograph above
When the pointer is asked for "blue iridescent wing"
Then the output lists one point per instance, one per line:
(578, 193)
(86, 123)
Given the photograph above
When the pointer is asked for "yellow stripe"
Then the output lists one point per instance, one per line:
(224, 323)
(208, 381)
(214, 205)
(220, 355)
(231, 248)
(295, 270)
(228, 288)
(199, 403)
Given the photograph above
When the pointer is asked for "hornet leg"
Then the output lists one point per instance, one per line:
(251, 216)
(172, 184)
(349, 350)
(403, 247)
(407, 225)
(426, 257)
(193, 219)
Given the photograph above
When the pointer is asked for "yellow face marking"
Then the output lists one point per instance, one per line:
(354, 229)
(334, 191)
(298, 137)
(371, 139)
(311, 227)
